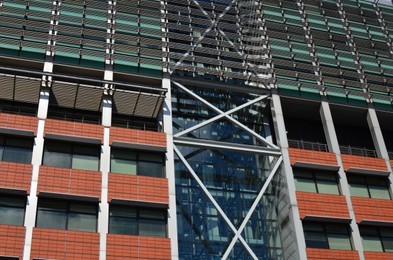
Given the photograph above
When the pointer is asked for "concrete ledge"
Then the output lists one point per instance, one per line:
(13, 191)
(75, 139)
(378, 223)
(317, 166)
(327, 219)
(142, 147)
(13, 131)
(65, 196)
(140, 203)
(368, 172)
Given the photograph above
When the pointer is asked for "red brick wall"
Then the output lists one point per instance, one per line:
(363, 162)
(64, 244)
(27, 123)
(134, 247)
(300, 155)
(74, 129)
(15, 175)
(12, 239)
(133, 187)
(326, 205)
(372, 209)
(69, 181)
(378, 255)
(137, 136)
(318, 254)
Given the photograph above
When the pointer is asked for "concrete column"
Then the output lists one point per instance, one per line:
(294, 244)
(38, 148)
(170, 170)
(103, 215)
(334, 147)
(379, 142)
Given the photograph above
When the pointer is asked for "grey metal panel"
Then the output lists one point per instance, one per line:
(139, 203)
(63, 94)
(146, 105)
(27, 90)
(124, 103)
(367, 171)
(75, 139)
(7, 87)
(68, 196)
(144, 147)
(89, 98)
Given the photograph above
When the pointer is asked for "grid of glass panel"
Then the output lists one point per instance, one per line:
(316, 181)
(67, 215)
(377, 239)
(70, 155)
(12, 209)
(128, 220)
(326, 235)
(16, 149)
(137, 163)
(369, 186)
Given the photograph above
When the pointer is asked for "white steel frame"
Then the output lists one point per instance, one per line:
(269, 150)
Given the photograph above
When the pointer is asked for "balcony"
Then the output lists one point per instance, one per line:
(305, 145)
(358, 151)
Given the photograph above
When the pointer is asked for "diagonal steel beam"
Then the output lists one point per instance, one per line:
(220, 116)
(252, 209)
(219, 111)
(214, 23)
(214, 202)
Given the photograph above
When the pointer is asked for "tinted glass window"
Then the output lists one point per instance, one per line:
(12, 209)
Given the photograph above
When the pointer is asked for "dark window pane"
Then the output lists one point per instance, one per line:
(122, 225)
(12, 210)
(307, 185)
(387, 244)
(51, 219)
(150, 227)
(17, 154)
(316, 239)
(150, 169)
(82, 222)
(58, 155)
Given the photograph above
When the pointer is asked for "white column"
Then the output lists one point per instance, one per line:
(103, 215)
(334, 147)
(38, 148)
(297, 242)
(170, 170)
(379, 142)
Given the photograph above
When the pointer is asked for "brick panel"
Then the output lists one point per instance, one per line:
(27, 123)
(363, 162)
(326, 254)
(372, 209)
(69, 181)
(64, 244)
(300, 155)
(324, 205)
(134, 247)
(74, 129)
(378, 255)
(138, 188)
(12, 239)
(15, 176)
(137, 136)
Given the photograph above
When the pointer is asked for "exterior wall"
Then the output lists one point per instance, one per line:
(363, 162)
(12, 240)
(74, 129)
(69, 181)
(133, 247)
(322, 205)
(299, 155)
(64, 244)
(137, 188)
(327, 254)
(137, 136)
(373, 209)
(15, 176)
(19, 122)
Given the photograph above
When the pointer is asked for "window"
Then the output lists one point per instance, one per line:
(137, 221)
(16, 149)
(369, 186)
(69, 215)
(69, 155)
(12, 209)
(137, 163)
(377, 239)
(326, 235)
(316, 181)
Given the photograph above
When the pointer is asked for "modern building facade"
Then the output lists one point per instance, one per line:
(193, 129)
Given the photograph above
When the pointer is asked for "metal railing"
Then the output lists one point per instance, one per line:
(300, 144)
(358, 151)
